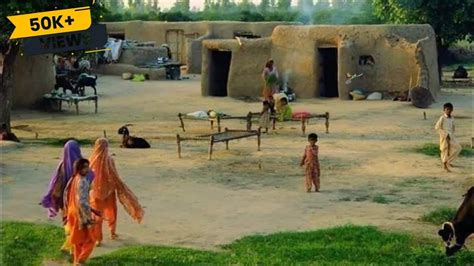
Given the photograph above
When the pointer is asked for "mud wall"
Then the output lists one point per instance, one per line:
(185, 38)
(34, 76)
(245, 66)
(395, 50)
(403, 56)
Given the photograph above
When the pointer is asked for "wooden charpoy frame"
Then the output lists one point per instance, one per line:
(304, 121)
(225, 136)
(252, 115)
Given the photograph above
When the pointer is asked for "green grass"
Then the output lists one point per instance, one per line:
(57, 142)
(439, 215)
(381, 199)
(29, 244)
(432, 149)
(24, 243)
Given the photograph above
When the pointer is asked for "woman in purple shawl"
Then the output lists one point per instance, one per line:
(53, 200)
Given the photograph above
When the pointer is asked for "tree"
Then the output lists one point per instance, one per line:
(9, 48)
(283, 5)
(181, 6)
(264, 5)
(451, 20)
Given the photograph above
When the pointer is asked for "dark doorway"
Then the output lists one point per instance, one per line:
(219, 72)
(328, 78)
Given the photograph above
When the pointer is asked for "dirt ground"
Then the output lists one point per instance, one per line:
(370, 175)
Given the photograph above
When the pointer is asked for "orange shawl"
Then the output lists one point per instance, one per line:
(107, 181)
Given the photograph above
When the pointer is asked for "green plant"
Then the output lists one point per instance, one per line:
(439, 215)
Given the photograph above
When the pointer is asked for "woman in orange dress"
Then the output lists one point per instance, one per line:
(106, 187)
(79, 213)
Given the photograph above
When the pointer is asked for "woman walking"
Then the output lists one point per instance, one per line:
(107, 186)
(53, 199)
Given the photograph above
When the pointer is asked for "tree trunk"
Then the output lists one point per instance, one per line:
(6, 86)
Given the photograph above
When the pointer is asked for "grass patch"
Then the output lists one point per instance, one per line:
(439, 215)
(59, 142)
(381, 199)
(25, 243)
(431, 149)
(29, 244)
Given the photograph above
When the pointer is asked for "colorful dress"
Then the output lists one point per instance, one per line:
(449, 147)
(311, 165)
(106, 188)
(53, 199)
(270, 77)
(285, 114)
(79, 218)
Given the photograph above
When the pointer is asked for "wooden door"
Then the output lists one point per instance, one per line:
(175, 40)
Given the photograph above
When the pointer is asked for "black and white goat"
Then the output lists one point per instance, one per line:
(132, 142)
(86, 80)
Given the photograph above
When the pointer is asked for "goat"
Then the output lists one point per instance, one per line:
(84, 81)
(461, 227)
(132, 142)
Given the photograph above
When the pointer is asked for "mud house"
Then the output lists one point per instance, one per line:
(185, 38)
(315, 60)
(33, 76)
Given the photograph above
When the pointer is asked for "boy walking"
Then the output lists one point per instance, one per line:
(448, 145)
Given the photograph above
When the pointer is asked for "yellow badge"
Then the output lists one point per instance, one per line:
(51, 22)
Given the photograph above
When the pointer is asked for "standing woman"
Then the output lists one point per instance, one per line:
(106, 187)
(79, 213)
(53, 200)
(270, 78)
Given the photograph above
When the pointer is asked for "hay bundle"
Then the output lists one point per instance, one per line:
(421, 97)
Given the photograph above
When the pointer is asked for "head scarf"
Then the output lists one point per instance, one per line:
(107, 181)
(62, 174)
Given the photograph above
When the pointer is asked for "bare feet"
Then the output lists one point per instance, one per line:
(113, 236)
(451, 165)
(316, 190)
(98, 243)
(445, 166)
(308, 190)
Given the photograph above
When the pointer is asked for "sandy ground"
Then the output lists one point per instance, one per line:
(194, 202)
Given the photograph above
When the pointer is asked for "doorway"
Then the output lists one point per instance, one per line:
(328, 75)
(175, 40)
(219, 72)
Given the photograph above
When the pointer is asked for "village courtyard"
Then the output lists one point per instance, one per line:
(372, 173)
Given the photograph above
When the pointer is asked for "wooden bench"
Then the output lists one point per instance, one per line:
(71, 99)
(225, 136)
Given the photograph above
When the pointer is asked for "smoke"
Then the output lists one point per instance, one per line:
(334, 11)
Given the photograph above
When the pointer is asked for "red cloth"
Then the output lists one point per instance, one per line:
(301, 114)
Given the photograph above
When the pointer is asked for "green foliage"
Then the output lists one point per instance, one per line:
(22, 243)
(452, 20)
(432, 149)
(439, 215)
(347, 12)
(28, 244)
